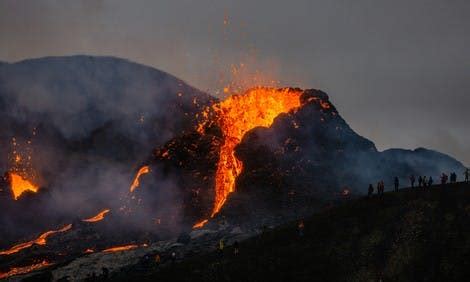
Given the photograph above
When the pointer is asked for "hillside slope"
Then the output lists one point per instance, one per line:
(412, 235)
(77, 127)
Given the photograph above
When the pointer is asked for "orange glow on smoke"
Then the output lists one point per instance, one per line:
(98, 217)
(41, 240)
(24, 269)
(236, 116)
(143, 170)
(120, 248)
(19, 185)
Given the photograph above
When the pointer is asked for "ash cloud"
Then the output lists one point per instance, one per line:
(95, 120)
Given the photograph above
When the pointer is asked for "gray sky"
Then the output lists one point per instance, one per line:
(398, 71)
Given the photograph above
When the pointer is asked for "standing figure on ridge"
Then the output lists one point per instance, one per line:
(444, 178)
(380, 187)
(466, 174)
(236, 248)
(454, 177)
(420, 181)
(397, 183)
(412, 180)
(221, 247)
(301, 228)
(370, 191)
(430, 181)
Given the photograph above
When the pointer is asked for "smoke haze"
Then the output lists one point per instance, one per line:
(398, 71)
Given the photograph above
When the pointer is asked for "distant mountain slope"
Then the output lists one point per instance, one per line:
(421, 161)
(78, 94)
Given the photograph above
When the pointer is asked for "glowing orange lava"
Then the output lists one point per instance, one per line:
(236, 116)
(98, 217)
(143, 170)
(200, 224)
(24, 269)
(41, 240)
(19, 185)
(120, 248)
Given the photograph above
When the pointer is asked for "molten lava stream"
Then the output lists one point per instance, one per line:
(100, 216)
(236, 116)
(120, 248)
(19, 185)
(200, 224)
(24, 269)
(143, 170)
(41, 240)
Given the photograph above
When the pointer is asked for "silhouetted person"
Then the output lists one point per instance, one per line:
(380, 188)
(454, 177)
(466, 174)
(430, 181)
(444, 178)
(173, 257)
(370, 191)
(397, 183)
(412, 180)
(221, 247)
(158, 260)
(425, 181)
(236, 248)
(420, 181)
(301, 227)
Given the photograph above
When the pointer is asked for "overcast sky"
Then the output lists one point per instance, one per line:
(398, 71)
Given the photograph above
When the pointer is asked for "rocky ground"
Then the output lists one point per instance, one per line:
(412, 235)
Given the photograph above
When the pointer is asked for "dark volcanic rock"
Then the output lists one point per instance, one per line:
(308, 157)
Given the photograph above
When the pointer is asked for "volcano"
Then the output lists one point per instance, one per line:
(284, 151)
(113, 156)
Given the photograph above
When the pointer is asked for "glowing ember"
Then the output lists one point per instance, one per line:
(89, 251)
(98, 217)
(120, 248)
(41, 240)
(143, 170)
(200, 224)
(19, 185)
(24, 269)
(236, 116)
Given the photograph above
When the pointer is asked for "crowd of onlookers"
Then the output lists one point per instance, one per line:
(420, 181)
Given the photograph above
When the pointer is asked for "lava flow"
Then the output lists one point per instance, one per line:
(236, 116)
(200, 224)
(19, 185)
(100, 216)
(143, 170)
(24, 269)
(41, 240)
(120, 248)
